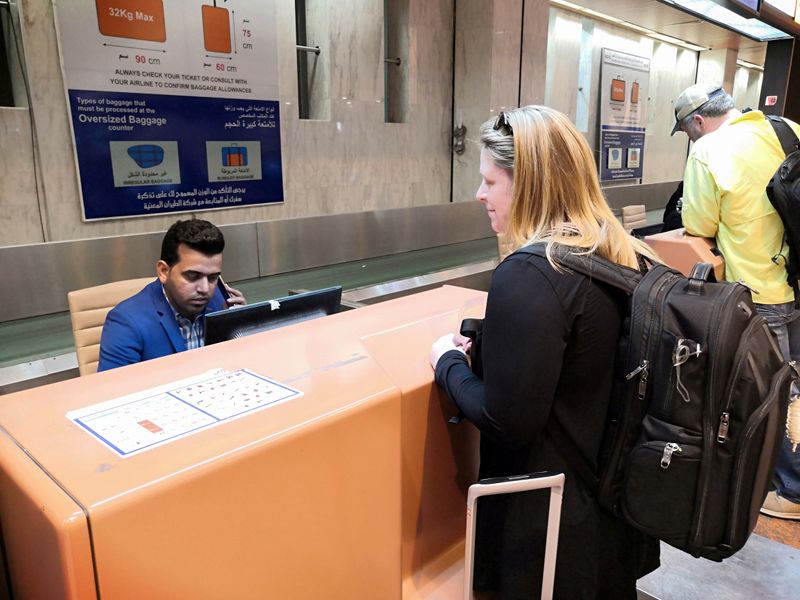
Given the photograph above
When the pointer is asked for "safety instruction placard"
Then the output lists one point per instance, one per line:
(174, 105)
(144, 420)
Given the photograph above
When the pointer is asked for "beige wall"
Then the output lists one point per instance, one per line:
(348, 159)
(575, 38)
(747, 87)
(351, 162)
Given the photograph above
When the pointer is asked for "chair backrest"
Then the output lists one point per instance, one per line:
(633, 216)
(88, 309)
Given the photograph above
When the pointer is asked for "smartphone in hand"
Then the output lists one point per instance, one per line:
(224, 289)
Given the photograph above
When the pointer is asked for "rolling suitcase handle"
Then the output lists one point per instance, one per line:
(509, 485)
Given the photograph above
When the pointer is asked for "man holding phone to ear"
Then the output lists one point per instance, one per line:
(168, 315)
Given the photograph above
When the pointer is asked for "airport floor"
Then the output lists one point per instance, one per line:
(764, 568)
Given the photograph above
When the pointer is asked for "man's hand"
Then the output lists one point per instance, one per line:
(236, 297)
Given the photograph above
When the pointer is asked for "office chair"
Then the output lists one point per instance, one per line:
(633, 216)
(88, 309)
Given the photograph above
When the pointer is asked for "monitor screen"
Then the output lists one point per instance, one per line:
(241, 321)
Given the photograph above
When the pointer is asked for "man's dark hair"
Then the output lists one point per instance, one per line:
(197, 234)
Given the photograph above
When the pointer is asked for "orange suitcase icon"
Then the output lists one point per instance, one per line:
(234, 156)
(216, 29)
(618, 90)
(133, 19)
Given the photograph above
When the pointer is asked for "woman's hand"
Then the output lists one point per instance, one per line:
(462, 343)
(443, 345)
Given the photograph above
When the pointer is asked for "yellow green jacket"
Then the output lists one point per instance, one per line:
(724, 197)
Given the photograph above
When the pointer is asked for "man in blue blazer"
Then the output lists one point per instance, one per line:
(168, 315)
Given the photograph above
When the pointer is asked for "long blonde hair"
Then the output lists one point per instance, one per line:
(556, 196)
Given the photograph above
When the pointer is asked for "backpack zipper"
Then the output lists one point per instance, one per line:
(642, 369)
(709, 417)
(669, 449)
(741, 357)
(747, 437)
(653, 310)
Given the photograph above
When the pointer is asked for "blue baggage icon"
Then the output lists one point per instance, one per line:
(146, 155)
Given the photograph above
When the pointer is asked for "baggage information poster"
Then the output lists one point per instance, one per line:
(624, 80)
(174, 104)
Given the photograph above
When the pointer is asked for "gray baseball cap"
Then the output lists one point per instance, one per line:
(693, 98)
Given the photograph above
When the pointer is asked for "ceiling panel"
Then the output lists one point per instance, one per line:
(667, 20)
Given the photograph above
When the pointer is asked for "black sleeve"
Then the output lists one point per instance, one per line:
(524, 336)
(672, 215)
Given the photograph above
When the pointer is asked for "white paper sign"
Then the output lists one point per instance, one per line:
(147, 419)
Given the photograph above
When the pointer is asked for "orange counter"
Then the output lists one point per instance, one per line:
(354, 490)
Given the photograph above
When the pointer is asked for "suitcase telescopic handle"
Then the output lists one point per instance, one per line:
(510, 485)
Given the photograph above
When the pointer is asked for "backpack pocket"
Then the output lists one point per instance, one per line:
(660, 489)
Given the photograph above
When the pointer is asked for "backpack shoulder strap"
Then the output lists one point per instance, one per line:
(786, 135)
(594, 267)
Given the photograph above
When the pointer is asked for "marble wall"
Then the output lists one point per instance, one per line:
(462, 62)
(396, 38)
(19, 209)
(500, 61)
(318, 73)
(348, 159)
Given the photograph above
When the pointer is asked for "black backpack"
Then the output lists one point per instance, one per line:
(698, 407)
(783, 191)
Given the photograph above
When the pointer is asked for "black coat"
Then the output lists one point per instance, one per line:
(548, 349)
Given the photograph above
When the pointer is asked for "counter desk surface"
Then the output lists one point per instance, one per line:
(353, 490)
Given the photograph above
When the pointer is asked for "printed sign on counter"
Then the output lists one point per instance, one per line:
(141, 421)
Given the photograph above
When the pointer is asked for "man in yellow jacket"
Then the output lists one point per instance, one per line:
(733, 157)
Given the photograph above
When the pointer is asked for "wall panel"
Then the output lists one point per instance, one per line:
(350, 162)
(19, 210)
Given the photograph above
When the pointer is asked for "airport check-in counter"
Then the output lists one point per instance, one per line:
(356, 489)
(682, 251)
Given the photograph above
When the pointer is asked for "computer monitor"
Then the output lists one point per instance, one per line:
(241, 321)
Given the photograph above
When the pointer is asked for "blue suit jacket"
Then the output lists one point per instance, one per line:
(143, 327)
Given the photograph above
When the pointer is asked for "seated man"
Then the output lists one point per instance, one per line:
(168, 315)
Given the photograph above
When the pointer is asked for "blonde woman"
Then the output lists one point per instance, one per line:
(548, 346)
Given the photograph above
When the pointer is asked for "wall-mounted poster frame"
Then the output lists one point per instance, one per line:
(624, 81)
(173, 104)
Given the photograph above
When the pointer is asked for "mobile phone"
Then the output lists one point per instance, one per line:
(222, 288)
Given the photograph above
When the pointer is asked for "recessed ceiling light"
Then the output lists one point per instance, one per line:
(626, 25)
(715, 13)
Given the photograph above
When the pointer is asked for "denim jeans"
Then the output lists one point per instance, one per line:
(784, 321)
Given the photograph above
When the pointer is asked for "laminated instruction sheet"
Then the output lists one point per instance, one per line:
(143, 420)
